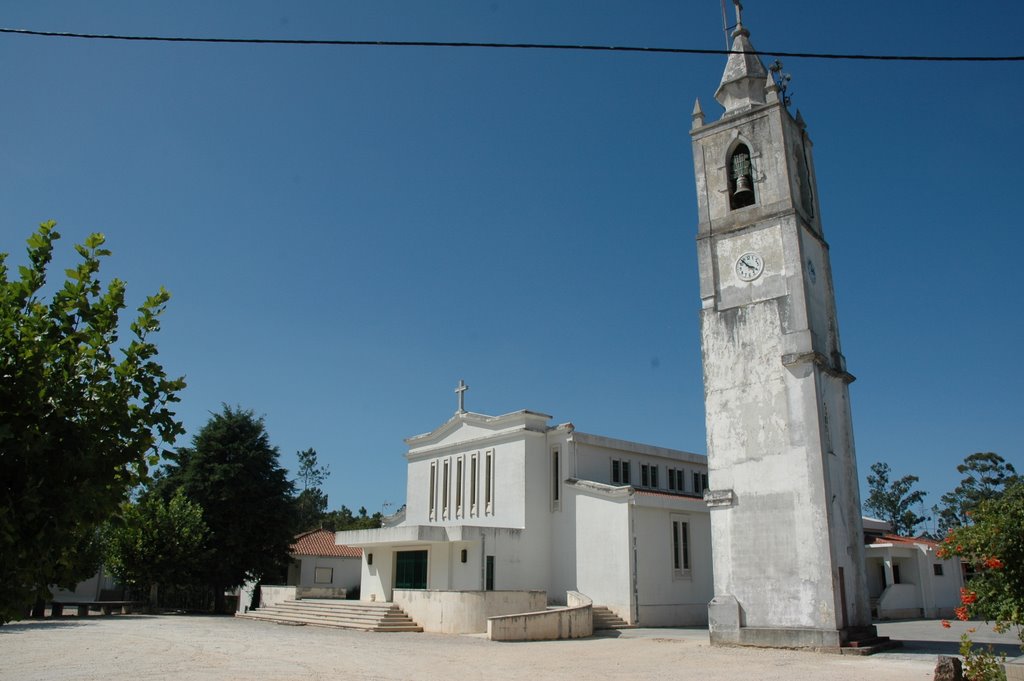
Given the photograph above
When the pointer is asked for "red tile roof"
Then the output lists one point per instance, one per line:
(321, 543)
(896, 539)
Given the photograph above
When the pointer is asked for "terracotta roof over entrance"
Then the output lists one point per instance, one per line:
(321, 543)
(896, 539)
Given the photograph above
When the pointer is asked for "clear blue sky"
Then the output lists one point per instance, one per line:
(348, 231)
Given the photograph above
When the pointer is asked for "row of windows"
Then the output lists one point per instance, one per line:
(650, 477)
(453, 498)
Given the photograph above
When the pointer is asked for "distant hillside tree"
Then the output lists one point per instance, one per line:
(894, 500)
(344, 519)
(311, 501)
(986, 476)
(80, 418)
(232, 472)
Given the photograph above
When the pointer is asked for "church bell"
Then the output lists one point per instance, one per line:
(743, 194)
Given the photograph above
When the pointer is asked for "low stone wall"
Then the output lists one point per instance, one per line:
(576, 620)
(272, 595)
(463, 612)
(900, 601)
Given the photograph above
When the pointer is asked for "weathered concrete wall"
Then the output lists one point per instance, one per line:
(574, 621)
(464, 612)
(788, 548)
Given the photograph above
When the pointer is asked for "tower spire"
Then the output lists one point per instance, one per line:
(742, 86)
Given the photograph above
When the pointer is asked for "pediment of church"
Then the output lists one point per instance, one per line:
(471, 428)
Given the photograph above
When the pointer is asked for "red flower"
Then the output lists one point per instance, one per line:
(943, 552)
(993, 563)
(961, 613)
(946, 624)
(968, 597)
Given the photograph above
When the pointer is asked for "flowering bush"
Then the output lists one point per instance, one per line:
(994, 545)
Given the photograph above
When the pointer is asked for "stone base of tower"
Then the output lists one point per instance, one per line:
(725, 628)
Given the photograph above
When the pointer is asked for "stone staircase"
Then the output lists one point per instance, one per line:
(336, 613)
(606, 619)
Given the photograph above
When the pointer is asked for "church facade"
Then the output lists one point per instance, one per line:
(511, 504)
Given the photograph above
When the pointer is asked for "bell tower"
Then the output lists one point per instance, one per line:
(787, 536)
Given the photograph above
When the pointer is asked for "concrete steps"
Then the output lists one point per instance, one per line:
(336, 613)
(606, 619)
(867, 643)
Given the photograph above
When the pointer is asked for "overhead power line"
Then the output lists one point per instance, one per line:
(517, 46)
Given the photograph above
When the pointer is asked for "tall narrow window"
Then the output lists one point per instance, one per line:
(445, 490)
(489, 481)
(616, 470)
(433, 490)
(625, 472)
(654, 476)
(680, 480)
(474, 482)
(741, 178)
(459, 465)
(645, 475)
(556, 479)
(489, 574)
(680, 547)
(672, 478)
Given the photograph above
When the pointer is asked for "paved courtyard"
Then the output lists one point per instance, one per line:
(197, 648)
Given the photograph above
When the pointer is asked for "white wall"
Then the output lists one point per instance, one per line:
(346, 571)
(666, 597)
(603, 553)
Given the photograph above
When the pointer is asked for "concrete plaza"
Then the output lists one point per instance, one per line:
(201, 648)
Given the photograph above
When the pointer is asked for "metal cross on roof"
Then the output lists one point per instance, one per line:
(461, 392)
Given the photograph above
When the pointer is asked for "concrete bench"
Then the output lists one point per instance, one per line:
(106, 607)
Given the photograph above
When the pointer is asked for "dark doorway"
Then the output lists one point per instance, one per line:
(489, 579)
(411, 570)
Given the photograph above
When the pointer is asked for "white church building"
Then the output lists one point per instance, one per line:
(509, 513)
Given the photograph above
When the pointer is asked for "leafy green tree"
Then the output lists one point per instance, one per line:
(232, 472)
(311, 501)
(986, 475)
(893, 500)
(994, 545)
(157, 543)
(79, 425)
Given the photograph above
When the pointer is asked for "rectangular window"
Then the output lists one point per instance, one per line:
(556, 479)
(459, 466)
(645, 475)
(489, 482)
(625, 473)
(446, 490)
(700, 483)
(616, 468)
(433, 490)
(937, 569)
(323, 575)
(654, 476)
(473, 483)
(680, 480)
(489, 575)
(672, 478)
(680, 546)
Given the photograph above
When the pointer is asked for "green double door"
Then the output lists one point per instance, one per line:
(411, 570)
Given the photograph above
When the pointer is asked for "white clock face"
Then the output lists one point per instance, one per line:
(749, 266)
